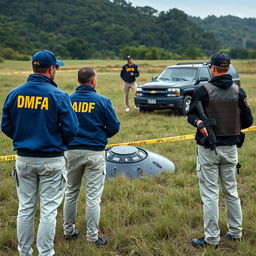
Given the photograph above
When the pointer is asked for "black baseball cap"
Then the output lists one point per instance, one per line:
(45, 59)
(220, 59)
(129, 57)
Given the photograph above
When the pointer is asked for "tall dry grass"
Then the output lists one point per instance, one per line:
(152, 217)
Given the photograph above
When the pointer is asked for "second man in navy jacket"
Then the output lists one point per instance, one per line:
(86, 154)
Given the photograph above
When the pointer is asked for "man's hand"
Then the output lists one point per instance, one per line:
(201, 127)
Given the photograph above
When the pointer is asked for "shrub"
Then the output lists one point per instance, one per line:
(8, 54)
(192, 52)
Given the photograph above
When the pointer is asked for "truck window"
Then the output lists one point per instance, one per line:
(232, 71)
(204, 72)
(178, 74)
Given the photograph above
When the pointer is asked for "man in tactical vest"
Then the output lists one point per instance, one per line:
(226, 108)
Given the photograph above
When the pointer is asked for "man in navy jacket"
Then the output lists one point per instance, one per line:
(86, 155)
(39, 119)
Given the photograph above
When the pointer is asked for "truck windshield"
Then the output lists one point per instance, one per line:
(178, 74)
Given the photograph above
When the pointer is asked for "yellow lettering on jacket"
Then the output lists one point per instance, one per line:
(33, 102)
(74, 106)
(20, 101)
(38, 102)
(129, 69)
(29, 101)
(45, 103)
(92, 104)
(84, 107)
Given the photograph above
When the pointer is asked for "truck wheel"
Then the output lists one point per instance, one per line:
(185, 105)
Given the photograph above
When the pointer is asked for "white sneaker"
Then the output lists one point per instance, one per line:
(127, 109)
(135, 107)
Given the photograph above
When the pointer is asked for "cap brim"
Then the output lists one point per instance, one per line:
(59, 62)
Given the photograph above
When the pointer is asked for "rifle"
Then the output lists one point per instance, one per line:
(208, 125)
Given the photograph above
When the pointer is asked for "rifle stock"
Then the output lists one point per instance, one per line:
(208, 125)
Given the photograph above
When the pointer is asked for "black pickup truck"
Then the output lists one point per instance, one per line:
(173, 88)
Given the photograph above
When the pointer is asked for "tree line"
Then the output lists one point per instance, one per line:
(83, 29)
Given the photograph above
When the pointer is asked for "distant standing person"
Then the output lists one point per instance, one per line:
(129, 73)
(226, 103)
(39, 119)
(86, 155)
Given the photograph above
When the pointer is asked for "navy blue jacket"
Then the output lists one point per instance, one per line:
(96, 117)
(126, 71)
(38, 117)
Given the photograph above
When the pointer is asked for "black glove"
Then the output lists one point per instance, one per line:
(241, 140)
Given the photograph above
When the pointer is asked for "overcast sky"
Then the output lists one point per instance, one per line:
(202, 8)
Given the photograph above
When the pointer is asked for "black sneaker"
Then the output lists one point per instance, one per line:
(101, 241)
(201, 243)
(231, 237)
(73, 236)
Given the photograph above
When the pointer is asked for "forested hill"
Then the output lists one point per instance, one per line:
(231, 31)
(94, 28)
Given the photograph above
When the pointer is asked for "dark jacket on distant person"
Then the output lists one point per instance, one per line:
(126, 73)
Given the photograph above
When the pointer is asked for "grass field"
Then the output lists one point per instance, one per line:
(151, 217)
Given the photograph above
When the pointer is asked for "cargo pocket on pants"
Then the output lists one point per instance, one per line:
(199, 173)
(64, 180)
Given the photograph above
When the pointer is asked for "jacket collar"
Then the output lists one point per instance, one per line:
(40, 78)
(223, 81)
(84, 88)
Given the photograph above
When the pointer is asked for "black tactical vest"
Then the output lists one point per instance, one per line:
(223, 106)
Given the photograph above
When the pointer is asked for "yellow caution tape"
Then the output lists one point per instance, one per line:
(169, 139)
(134, 143)
(252, 128)
(8, 158)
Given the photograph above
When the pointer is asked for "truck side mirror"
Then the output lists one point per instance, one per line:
(154, 78)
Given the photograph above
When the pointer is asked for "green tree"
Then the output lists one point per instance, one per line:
(147, 10)
(128, 50)
(141, 52)
(252, 54)
(78, 49)
(153, 54)
(192, 52)
(238, 53)
(83, 29)
(117, 36)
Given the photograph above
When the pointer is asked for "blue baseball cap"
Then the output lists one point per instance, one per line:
(45, 59)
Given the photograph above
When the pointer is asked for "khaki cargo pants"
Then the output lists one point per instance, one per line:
(46, 178)
(127, 87)
(210, 169)
(90, 164)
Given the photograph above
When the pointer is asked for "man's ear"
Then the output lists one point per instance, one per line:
(93, 81)
(50, 70)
